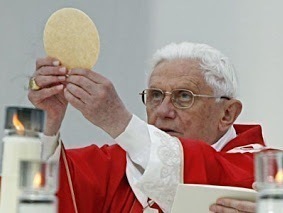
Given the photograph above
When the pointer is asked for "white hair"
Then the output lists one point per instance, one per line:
(218, 72)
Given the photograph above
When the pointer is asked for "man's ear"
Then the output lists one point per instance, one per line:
(232, 109)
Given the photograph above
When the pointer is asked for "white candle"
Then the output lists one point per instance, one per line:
(16, 148)
(34, 204)
(37, 208)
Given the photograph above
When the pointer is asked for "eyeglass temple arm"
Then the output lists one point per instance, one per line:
(225, 97)
(142, 94)
(209, 96)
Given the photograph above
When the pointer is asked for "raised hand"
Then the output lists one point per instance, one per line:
(97, 99)
(49, 78)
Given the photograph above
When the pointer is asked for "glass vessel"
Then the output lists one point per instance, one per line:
(269, 181)
(38, 186)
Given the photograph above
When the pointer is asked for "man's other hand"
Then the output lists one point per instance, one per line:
(227, 205)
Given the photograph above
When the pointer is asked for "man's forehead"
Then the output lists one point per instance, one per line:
(177, 70)
(185, 62)
(184, 73)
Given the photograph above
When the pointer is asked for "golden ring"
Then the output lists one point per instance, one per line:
(33, 85)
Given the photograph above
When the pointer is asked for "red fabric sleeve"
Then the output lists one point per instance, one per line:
(99, 181)
(204, 165)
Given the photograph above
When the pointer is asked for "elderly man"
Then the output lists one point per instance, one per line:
(189, 137)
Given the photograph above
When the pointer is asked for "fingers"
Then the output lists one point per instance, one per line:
(82, 82)
(93, 76)
(254, 186)
(48, 72)
(51, 70)
(48, 81)
(227, 205)
(73, 100)
(222, 209)
(242, 205)
(75, 92)
(47, 61)
(37, 96)
(92, 82)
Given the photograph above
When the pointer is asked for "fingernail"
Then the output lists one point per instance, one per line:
(56, 63)
(220, 202)
(59, 87)
(62, 70)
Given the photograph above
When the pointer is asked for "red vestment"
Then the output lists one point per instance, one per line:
(100, 183)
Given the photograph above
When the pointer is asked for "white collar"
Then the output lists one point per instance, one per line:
(228, 136)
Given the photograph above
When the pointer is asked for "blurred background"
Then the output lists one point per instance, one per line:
(248, 32)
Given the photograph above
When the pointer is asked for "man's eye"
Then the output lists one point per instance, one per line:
(156, 95)
(184, 96)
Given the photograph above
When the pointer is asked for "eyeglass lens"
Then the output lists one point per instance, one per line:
(180, 98)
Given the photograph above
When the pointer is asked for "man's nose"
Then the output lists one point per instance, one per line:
(166, 109)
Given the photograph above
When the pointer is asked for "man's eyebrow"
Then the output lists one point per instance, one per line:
(191, 85)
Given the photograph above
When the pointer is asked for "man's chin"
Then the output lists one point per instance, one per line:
(174, 134)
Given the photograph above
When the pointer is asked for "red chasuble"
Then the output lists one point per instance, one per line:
(99, 182)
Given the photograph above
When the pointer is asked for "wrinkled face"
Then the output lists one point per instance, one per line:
(201, 120)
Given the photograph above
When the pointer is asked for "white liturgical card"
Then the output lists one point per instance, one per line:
(198, 198)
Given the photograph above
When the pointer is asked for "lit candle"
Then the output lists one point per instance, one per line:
(279, 171)
(38, 186)
(269, 179)
(20, 142)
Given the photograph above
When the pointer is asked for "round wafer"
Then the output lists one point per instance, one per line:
(72, 37)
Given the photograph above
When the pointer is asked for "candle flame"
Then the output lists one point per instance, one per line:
(279, 177)
(17, 123)
(37, 180)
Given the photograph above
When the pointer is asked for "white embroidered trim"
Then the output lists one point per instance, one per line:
(163, 172)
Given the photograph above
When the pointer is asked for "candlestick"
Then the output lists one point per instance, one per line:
(38, 185)
(269, 171)
(21, 141)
